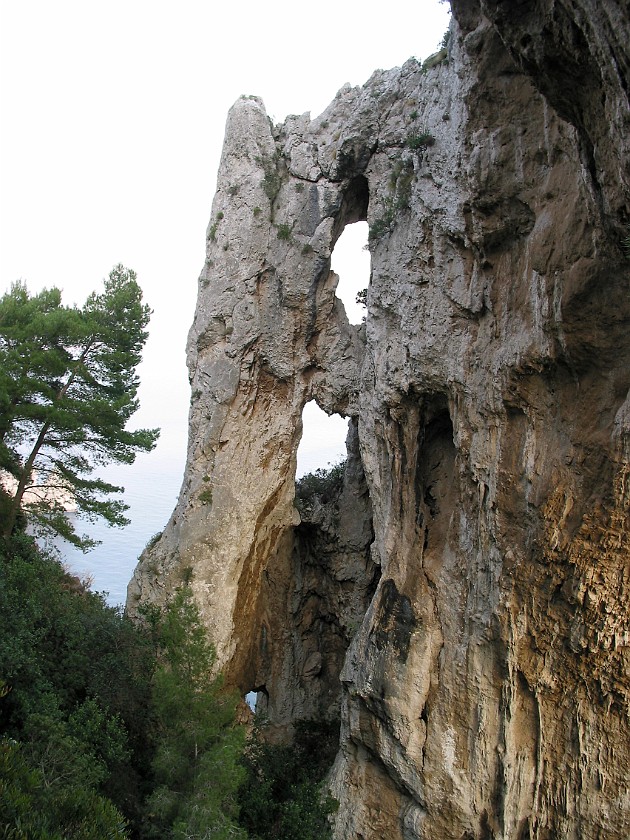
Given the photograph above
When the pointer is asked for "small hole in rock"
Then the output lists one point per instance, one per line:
(351, 261)
(323, 439)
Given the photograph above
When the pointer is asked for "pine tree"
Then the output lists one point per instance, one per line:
(68, 387)
(196, 767)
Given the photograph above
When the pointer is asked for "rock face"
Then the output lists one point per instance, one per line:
(463, 601)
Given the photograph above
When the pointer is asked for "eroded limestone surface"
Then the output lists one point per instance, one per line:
(463, 604)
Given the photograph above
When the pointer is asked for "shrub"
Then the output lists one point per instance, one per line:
(420, 140)
(284, 232)
(272, 180)
(153, 541)
(437, 58)
(283, 794)
(380, 226)
(323, 484)
(78, 673)
(196, 765)
(205, 497)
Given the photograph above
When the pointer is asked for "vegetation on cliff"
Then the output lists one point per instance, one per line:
(284, 792)
(105, 723)
(115, 729)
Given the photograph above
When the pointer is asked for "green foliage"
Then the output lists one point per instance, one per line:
(435, 59)
(420, 140)
(256, 211)
(381, 226)
(68, 387)
(154, 540)
(32, 809)
(299, 187)
(400, 183)
(284, 232)
(398, 199)
(272, 180)
(205, 497)
(283, 794)
(76, 715)
(323, 484)
(105, 723)
(307, 248)
(196, 764)
(212, 232)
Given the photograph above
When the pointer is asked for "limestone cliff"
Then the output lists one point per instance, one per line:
(463, 601)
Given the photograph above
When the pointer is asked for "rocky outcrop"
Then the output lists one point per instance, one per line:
(479, 649)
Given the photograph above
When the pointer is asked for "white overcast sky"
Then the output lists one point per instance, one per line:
(111, 125)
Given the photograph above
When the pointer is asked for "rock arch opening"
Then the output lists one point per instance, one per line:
(350, 259)
(323, 439)
(257, 699)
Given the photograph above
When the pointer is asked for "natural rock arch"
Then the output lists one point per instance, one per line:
(479, 613)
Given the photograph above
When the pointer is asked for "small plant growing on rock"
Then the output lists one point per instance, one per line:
(212, 233)
(381, 226)
(435, 59)
(205, 497)
(153, 541)
(284, 232)
(420, 140)
(272, 180)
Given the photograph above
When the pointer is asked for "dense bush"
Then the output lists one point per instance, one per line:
(196, 769)
(283, 794)
(323, 484)
(73, 719)
(112, 730)
(105, 724)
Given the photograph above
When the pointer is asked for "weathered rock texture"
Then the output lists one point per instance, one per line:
(482, 641)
